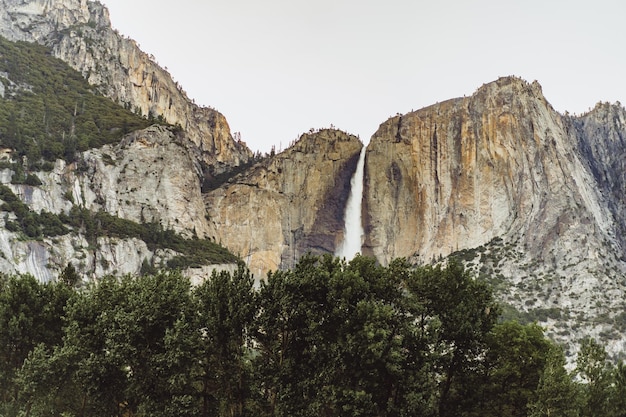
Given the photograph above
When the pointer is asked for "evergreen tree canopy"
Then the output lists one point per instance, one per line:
(328, 338)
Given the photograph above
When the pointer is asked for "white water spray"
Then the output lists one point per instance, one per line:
(353, 229)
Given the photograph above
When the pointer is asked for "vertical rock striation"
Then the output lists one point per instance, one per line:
(601, 138)
(503, 179)
(457, 174)
(532, 199)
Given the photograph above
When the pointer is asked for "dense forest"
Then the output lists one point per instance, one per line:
(328, 338)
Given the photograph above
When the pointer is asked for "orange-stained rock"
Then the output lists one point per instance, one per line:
(288, 205)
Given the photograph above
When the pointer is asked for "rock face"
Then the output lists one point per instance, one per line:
(148, 177)
(288, 205)
(459, 173)
(152, 175)
(601, 138)
(79, 32)
(503, 174)
(529, 199)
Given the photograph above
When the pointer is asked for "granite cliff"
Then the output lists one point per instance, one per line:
(460, 173)
(514, 189)
(151, 176)
(601, 138)
(289, 204)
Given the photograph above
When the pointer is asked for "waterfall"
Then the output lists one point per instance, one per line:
(353, 228)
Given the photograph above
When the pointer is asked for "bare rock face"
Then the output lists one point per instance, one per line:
(601, 138)
(35, 20)
(501, 174)
(530, 200)
(46, 258)
(148, 177)
(288, 205)
(79, 32)
(153, 175)
(460, 173)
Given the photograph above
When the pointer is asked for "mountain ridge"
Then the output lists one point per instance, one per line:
(527, 198)
(79, 32)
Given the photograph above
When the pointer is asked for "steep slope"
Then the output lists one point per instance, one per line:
(289, 204)
(77, 187)
(79, 32)
(151, 176)
(464, 171)
(498, 177)
(527, 198)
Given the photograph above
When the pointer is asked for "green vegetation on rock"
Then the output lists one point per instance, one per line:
(34, 225)
(93, 225)
(48, 110)
(193, 252)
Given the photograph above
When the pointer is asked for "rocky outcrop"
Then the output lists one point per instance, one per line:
(46, 258)
(153, 175)
(148, 177)
(79, 32)
(288, 205)
(530, 200)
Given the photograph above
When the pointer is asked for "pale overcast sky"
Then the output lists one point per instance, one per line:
(276, 68)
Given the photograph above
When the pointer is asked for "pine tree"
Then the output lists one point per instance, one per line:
(557, 394)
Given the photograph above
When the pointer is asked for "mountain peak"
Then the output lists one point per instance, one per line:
(512, 86)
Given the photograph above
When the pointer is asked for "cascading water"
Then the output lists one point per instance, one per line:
(353, 228)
